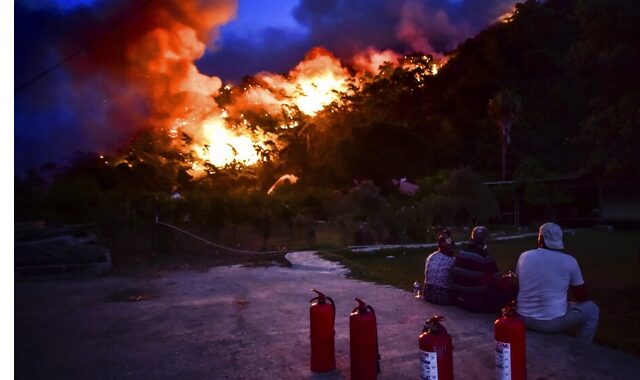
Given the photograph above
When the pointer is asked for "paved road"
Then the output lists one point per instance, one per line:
(253, 323)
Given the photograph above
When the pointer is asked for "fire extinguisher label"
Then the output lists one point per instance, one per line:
(503, 360)
(428, 365)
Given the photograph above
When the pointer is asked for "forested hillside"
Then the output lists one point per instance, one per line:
(565, 72)
(555, 87)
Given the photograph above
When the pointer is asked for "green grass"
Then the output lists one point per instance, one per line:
(610, 264)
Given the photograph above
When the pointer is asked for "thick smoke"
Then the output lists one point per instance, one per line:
(348, 27)
(110, 67)
(436, 26)
(117, 66)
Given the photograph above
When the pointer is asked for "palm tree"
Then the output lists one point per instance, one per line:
(502, 109)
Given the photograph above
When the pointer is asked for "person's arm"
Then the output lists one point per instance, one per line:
(579, 292)
(424, 282)
(491, 270)
(576, 284)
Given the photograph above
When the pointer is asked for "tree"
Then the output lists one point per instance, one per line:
(458, 196)
(503, 109)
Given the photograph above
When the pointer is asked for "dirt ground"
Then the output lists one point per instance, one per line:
(235, 322)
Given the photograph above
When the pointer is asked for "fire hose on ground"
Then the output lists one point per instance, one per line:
(194, 236)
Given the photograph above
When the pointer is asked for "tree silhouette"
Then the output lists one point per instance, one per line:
(502, 109)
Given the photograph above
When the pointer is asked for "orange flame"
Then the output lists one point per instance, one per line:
(161, 59)
(313, 84)
(371, 59)
(221, 146)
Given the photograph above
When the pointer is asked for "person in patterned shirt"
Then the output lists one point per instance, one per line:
(438, 282)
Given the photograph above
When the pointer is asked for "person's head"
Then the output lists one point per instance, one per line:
(446, 244)
(550, 236)
(479, 237)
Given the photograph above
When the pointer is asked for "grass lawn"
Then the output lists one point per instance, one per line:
(610, 264)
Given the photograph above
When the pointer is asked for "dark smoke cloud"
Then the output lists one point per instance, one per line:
(87, 78)
(56, 112)
(274, 50)
(345, 26)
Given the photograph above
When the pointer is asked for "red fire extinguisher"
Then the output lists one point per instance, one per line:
(322, 320)
(436, 351)
(363, 342)
(509, 331)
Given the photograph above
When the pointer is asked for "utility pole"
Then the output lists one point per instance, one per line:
(502, 109)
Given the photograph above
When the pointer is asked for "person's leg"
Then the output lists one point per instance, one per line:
(550, 326)
(585, 317)
(450, 297)
(438, 295)
(499, 297)
(431, 293)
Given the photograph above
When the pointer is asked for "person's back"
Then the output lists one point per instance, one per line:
(545, 275)
(438, 287)
(474, 270)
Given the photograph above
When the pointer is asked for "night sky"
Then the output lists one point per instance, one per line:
(73, 84)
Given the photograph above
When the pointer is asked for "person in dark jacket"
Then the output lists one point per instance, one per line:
(477, 281)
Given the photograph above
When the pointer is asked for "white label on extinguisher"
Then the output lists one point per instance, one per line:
(428, 365)
(503, 360)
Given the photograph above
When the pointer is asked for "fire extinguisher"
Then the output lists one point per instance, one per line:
(436, 351)
(322, 320)
(509, 332)
(363, 342)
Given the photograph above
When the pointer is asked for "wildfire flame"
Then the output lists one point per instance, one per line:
(159, 57)
(313, 84)
(371, 59)
(222, 146)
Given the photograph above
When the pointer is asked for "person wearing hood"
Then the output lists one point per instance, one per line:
(546, 276)
(438, 282)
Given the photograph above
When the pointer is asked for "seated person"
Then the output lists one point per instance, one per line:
(545, 276)
(438, 283)
(476, 279)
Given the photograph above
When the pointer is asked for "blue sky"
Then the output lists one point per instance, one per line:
(256, 15)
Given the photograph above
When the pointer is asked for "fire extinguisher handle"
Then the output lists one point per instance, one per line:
(362, 306)
(320, 297)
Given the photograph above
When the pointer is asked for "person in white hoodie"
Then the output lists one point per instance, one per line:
(545, 276)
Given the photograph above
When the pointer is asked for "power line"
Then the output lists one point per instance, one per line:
(84, 46)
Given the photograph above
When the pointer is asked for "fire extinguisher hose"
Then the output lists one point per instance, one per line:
(377, 349)
(334, 307)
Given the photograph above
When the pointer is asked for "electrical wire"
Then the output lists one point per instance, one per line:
(84, 46)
